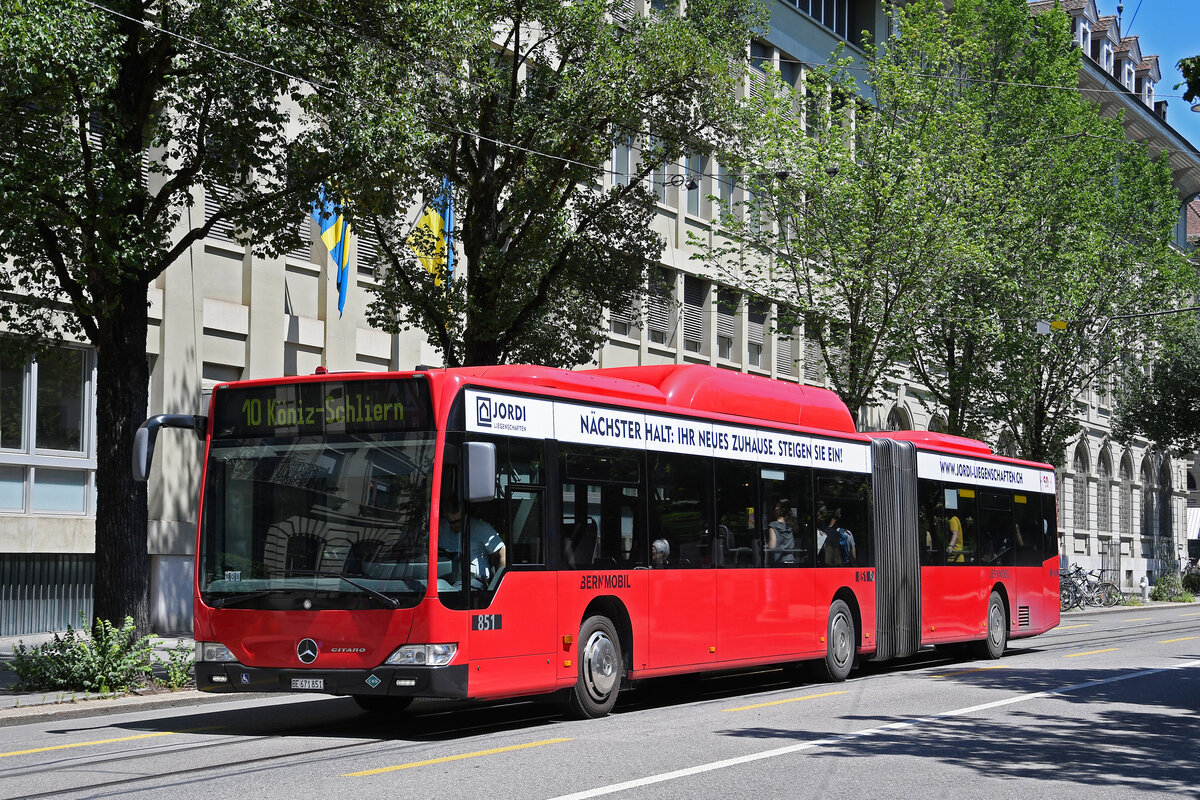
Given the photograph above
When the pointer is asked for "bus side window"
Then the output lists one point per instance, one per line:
(962, 541)
(787, 507)
(680, 504)
(525, 540)
(602, 514)
(843, 519)
(739, 542)
(996, 535)
(931, 522)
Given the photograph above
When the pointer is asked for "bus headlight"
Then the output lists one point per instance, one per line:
(213, 651)
(423, 655)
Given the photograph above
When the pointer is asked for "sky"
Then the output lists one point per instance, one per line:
(1170, 29)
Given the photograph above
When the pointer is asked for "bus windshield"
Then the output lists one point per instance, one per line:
(325, 514)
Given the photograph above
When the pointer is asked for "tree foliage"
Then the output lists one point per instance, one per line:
(520, 122)
(1190, 69)
(1161, 402)
(935, 224)
(116, 121)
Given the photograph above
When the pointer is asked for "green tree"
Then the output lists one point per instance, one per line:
(1190, 69)
(1068, 221)
(1162, 403)
(115, 120)
(521, 122)
(841, 208)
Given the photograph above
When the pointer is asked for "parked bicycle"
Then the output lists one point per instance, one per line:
(1080, 588)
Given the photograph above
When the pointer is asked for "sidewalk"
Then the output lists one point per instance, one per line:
(17, 708)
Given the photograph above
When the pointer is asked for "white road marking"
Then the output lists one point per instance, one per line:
(712, 766)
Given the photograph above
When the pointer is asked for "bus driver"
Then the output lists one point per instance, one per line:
(487, 551)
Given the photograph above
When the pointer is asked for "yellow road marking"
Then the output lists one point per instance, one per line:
(1068, 627)
(1184, 639)
(86, 744)
(444, 759)
(1195, 614)
(1138, 619)
(789, 700)
(1092, 652)
(966, 671)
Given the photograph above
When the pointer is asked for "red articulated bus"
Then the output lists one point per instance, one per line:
(502, 531)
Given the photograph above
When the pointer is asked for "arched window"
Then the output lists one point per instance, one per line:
(897, 420)
(1165, 529)
(1104, 494)
(1147, 498)
(1007, 445)
(937, 424)
(1079, 483)
(1126, 497)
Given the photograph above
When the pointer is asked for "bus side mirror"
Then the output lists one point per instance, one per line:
(479, 469)
(147, 434)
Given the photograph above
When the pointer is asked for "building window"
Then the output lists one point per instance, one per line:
(45, 431)
(659, 297)
(725, 189)
(1106, 57)
(728, 303)
(622, 149)
(1083, 35)
(1127, 76)
(1079, 485)
(756, 329)
(695, 182)
(1104, 495)
(694, 296)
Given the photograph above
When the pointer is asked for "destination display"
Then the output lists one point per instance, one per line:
(324, 407)
(581, 424)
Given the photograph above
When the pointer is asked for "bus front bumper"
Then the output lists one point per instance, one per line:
(449, 681)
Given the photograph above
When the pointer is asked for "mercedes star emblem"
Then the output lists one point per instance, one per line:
(307, 651)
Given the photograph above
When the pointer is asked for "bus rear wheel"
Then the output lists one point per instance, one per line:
(382, 704)
(601, 667)
(841, 641)
(997, 630)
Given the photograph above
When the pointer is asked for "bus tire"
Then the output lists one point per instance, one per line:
(382, 704)
(601, 668)
(841, 641)
(997, 630)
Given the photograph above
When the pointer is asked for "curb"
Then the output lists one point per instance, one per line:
(97, 705)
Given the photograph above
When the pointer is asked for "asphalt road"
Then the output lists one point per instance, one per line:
(1106, 706)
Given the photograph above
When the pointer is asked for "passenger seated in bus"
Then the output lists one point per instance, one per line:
(954, 548)
(835, 543)
(660, 552)
(487, 552)
(781, 538)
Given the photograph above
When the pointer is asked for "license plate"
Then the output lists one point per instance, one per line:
(308, 683)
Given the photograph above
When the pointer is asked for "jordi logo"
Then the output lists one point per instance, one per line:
(483, 411)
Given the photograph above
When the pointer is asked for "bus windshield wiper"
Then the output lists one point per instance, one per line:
(391, 602)
(222, 602)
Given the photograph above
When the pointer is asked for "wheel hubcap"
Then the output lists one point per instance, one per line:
(839, 640)
(996, 625)
(599, 665)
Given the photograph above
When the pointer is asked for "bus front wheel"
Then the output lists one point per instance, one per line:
(601, 668)
(841, 643)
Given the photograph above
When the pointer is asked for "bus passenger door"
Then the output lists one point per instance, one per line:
(683, 617)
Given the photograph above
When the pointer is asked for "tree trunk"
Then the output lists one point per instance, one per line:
(123, 377)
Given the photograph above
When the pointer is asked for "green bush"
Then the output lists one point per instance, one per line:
(1191, 582)
(178, 665)
(111, 659)
(1169, 587)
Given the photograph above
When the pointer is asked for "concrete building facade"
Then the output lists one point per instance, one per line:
(221, 313)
